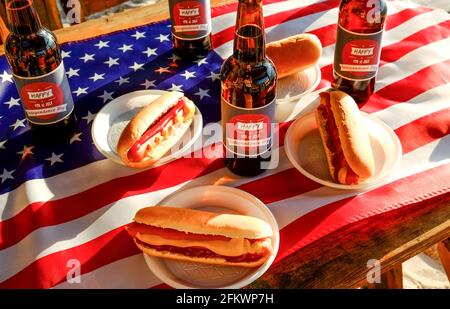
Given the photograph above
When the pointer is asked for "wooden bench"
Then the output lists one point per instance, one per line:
(50, 15)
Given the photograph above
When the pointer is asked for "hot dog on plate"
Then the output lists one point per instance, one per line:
(295, 53)
(201, 236)
(344, 138)
(155, 130)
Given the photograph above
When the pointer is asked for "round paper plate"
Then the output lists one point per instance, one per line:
(304, 149)
(295, 86)
(114, 117)
(220, 199)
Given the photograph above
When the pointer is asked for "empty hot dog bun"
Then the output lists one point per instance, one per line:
(344, 138)
(155, 129)
(201, 236)
(295, 53)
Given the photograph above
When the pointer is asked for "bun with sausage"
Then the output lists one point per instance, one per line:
(201, 236)
(295, 53)
(344, 138)
(155, 129)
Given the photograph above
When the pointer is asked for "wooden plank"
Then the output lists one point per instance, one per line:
(444, 255)
(123, 20)
(340, 259)
(92, 7)
(3, 31)
(391, 279)
(52, 12)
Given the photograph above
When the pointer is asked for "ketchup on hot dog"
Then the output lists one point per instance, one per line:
(135, 153)
(335, 144)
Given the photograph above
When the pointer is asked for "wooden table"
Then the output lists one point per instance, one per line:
(340, 259)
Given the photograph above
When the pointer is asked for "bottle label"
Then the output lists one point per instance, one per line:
(357, 55)
(191, 19)
(47, 98)
(247, 131)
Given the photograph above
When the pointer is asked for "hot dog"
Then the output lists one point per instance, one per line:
(155, 129)
(295, 53)
(201, 236)
(344, 138)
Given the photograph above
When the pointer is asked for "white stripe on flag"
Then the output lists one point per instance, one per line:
(424, 104)
(413, 62)
(133, 270)
(224, 21)
(303, 24)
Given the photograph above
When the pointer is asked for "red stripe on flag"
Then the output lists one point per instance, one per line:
(327, 34)
(421, 38)
(232, 7)
(282, 185)
(226, 35)
(41, 214)
(52, 269)
(424, 130)
(330, 218)
(428, 78)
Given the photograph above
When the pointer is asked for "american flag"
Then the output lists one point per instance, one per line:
(70, 203)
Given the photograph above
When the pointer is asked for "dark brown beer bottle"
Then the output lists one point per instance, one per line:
(248, 94)
(358, 46)
(38, 71)
(191, 28)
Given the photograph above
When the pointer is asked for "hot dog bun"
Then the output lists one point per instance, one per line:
(344, 138)
(201, 236)
(295, 53)
(147, 117)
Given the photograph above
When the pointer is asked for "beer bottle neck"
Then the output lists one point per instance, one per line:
(22, 17)
(249, 36)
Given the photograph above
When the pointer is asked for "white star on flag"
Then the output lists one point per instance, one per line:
(102, 44)
(122, 80)
(163, 38)
(2, 144)
(106, 96)
(112, 61)
(88, 57)
(55, 159)
(201, 61)
(138, 35)
(202, 93)
(188, 74)
(18, 124)
(176, 88)
(96, 77)
(214, 76)
(76, 138)
(27, 151)
(12, 102)
(150, 52)
(6, 77)
(137, 66)
(162, 70)
(89, 117)
(126, 48)
(149, 83)
(72, 72)
(7, 175)
(80, 91)
(65, 54)
(174, 57)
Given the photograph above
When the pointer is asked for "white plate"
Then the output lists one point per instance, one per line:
(179, 274)
(295, 86)
(114, 117)
(305, 151)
